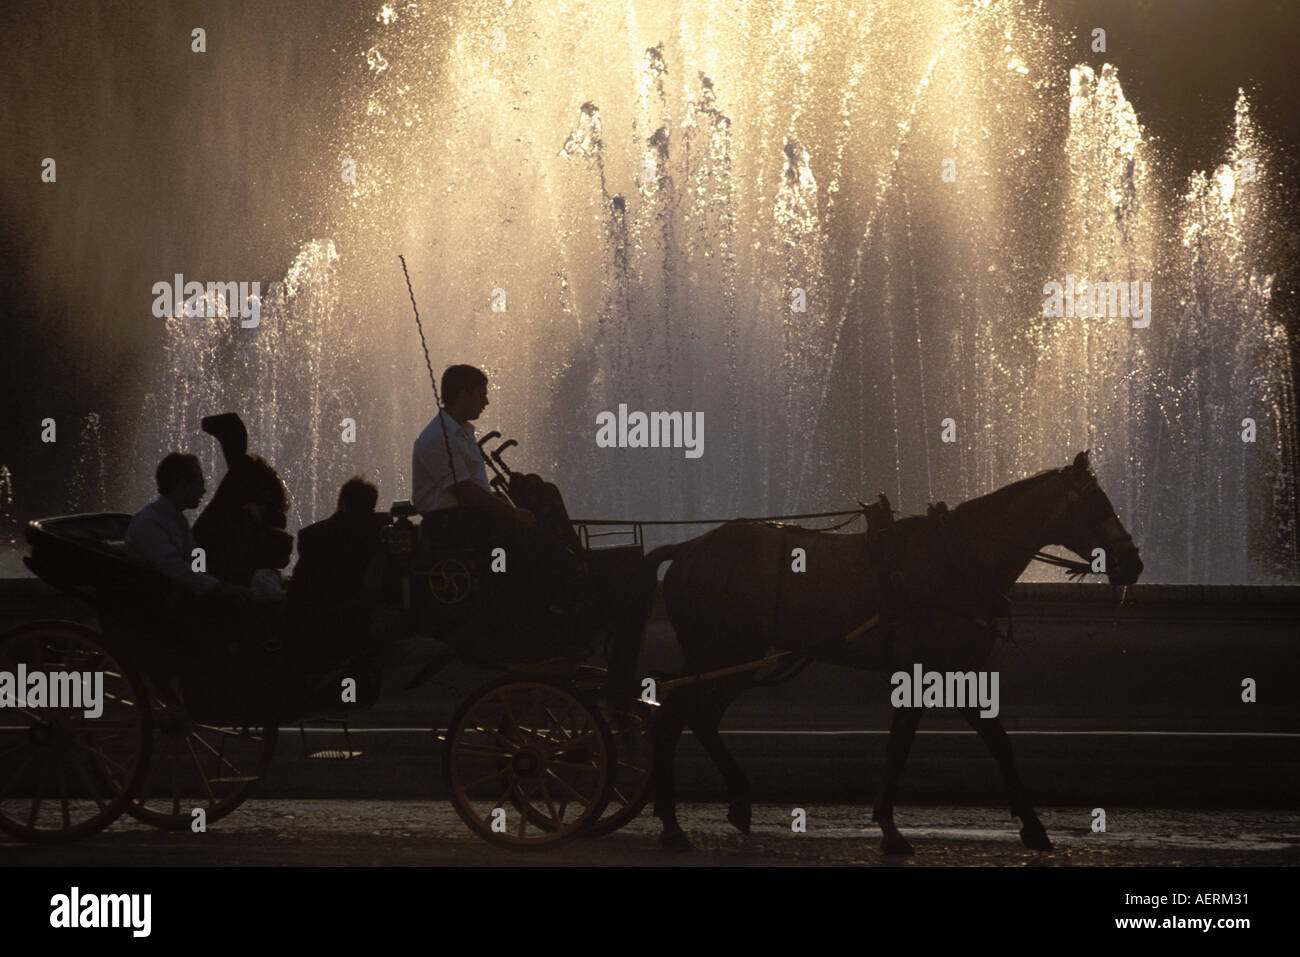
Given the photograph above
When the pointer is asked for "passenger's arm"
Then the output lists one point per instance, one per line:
(149, 542)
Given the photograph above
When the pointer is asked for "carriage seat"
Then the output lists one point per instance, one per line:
(453, 534)
(86, 549)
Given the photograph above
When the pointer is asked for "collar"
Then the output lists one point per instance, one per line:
(456, 427)
(166, 504)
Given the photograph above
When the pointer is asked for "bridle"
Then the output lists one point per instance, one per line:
(1097, 507)
(1097, 512)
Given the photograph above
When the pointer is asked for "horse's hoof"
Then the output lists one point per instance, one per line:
(896, 845)
(740, 814)
(1034, 836)
(676, 840)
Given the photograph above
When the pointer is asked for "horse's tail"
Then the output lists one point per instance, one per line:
(664, 553)
(625, 648)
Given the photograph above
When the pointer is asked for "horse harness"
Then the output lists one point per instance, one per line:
(885, 549)
(884, 543)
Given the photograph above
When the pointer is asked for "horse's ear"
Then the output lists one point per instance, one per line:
(1081, 465)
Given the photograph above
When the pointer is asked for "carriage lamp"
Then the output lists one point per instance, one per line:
(400, 537)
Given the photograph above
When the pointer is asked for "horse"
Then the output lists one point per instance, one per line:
(936, 582)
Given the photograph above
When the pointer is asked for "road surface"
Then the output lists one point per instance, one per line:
(421, 833)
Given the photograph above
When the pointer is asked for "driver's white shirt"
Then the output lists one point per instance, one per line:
(431, 474)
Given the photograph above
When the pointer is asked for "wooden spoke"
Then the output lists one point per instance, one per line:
(79, 772)
(568, 787)
(575, 765)
(556, 816)
(89, 785)
(516, 731)
(16, 776)
(40, 791)
(198, 766)
(503, 773)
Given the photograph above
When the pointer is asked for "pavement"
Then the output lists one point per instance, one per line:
(271, 832)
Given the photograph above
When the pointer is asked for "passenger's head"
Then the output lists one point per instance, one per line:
(358, 496)
(464, 392)
(180, 480)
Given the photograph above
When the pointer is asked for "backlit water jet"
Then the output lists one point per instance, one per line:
(827, 229)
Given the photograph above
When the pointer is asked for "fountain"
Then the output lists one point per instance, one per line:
(88, 484)
(827, 230)
(8, 524)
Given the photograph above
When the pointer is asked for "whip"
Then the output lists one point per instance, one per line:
(429, 365)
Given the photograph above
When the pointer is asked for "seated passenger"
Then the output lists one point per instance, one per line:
(336, 581)
(334, 555)
(242, 528)
(204, 640)
(159, 535)
(267, 585)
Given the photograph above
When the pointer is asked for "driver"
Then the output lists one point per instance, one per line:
(447, 470)
(451, 491)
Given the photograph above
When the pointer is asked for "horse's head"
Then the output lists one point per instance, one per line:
(1088, 522)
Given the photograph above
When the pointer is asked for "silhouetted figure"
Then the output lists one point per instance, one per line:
(159, 535)
(447, 470)
(242, 529)
(335, 554)
(336, 584)
(205, 634)
(450, 489)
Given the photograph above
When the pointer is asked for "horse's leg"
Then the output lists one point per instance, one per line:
(667, 730)
(704, 722)
(1032, 832)
(901, 732)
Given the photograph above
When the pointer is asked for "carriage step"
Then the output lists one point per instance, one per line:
(329, 754)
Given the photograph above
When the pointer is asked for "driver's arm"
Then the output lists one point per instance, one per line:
(471, 494)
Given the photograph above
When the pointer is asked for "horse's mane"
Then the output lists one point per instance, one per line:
(997, 495)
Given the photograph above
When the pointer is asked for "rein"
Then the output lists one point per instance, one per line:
(789, 664)
(1074, 569)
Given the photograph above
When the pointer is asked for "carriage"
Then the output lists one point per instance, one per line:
(172, 707)
(530, 758)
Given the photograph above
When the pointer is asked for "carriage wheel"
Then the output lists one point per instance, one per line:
(199, 766)
(527, 762)
(634, 756)
(633, 769)
(64, 775)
